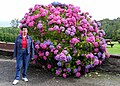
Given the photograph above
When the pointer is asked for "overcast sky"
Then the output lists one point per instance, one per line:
(99, 9)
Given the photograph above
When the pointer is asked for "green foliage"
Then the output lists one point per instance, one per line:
(8, 34)
(111, 28)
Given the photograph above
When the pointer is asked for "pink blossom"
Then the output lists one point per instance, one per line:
(76, 9)
(58, 21)
(26, 15)
(95, 44)
(39, 26)
(37, 46)
(56, 12)
(73, 30)
(100, 34)
(51, 22)
(57, 72)
(91, 56)
(37, 16)
(35, 56)
(96, 61)
(64, 21)
(53, 49)
(52, 10)
(96, 50)
(67, 14)
(57, 57)
(80, 28)
(79, 68)
(100, 62)
(58, 31)
(44, 57)
(64, 70)
(89, 34)
(96, 30)
(32, 18)
(91, 28)
(36, 6)
(73, 19)
(50, 5)
(62, 28)
(43, 46)
(63, 57)
(58, 46)
(65, 52)
(74, 40)
(31, 24)
(78, 74)
(67, 32)
(67, 25)
(90, 39)
(56, 27)
(47, 53)
(69, 29)
(84, 21)
(42, 10)
(64, 75)
(28, 21)
(55, 52)
(72, 33)
(85, 30)
(78, 62)
(48, 66)
(41, 54)
(43, 14)
(22, 21)
(50, 16)
(56, 18)
(75, 51)
(50, 29)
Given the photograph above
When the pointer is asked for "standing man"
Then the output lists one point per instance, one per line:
(23, 51)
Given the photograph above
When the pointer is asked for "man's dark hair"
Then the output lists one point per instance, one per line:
(24, 26)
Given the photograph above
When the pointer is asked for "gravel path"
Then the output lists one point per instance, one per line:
(40, 77)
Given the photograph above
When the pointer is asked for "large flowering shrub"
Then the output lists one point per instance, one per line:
(67, 41)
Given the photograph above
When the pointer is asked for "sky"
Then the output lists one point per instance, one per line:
(99, 9)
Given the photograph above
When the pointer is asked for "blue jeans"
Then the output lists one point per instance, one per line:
(22, 60)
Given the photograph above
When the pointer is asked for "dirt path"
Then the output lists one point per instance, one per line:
(40, 77)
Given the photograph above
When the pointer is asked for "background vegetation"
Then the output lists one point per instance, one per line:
(8, 34)
(111, 28)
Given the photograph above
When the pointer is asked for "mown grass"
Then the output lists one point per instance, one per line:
(115, 49)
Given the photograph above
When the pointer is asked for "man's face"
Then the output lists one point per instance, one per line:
(24, 31)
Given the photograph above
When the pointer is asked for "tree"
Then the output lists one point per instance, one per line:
(111, 28)
(14, 23)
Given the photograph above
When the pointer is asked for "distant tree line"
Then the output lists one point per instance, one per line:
(8, 34)
(111, 28)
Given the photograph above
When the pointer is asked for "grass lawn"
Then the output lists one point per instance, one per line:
(115, 49)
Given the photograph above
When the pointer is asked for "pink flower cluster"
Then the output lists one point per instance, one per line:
(74, 40)
(70, 40)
